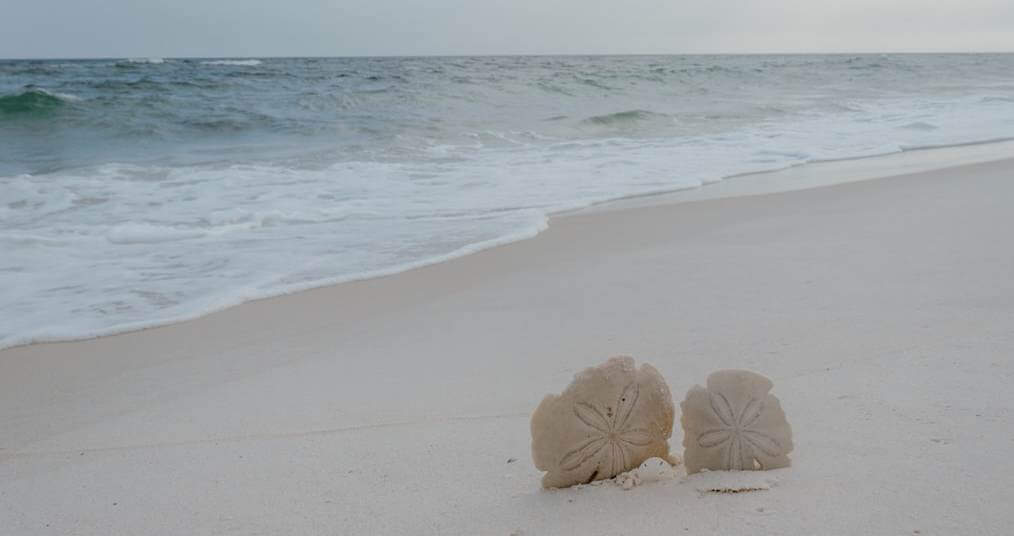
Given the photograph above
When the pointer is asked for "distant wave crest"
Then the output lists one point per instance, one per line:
(246, 63)
(627, 118)
(139, 63)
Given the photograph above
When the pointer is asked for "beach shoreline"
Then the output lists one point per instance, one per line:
(882, 310)
(800, 177)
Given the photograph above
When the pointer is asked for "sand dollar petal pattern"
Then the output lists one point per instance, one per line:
(734, 424)
(609, 420)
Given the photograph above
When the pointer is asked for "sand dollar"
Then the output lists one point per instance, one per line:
(734, 424)
(655, 470)
(610, 419)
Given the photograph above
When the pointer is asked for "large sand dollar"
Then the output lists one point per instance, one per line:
(734, 424)
(609, 420)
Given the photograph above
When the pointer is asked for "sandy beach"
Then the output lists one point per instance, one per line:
(883, 310)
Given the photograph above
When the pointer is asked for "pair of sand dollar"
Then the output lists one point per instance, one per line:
(614, 416)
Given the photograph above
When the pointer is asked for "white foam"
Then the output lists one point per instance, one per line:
(144, 233)
(249, 63)
(66, 331)
(62, 96)
(153, 61)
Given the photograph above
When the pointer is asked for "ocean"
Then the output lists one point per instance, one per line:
(139, 192)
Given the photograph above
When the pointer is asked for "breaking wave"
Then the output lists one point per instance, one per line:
(34, 100)
(151, 61)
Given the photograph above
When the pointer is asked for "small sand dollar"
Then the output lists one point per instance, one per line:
(650, 470)
(655, 470)
(734, 425)
(609, 420)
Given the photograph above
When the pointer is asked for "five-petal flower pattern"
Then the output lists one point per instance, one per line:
(613, 438)
(735, 424)
(609, 420)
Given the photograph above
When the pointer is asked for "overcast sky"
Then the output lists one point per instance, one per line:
(133, 28)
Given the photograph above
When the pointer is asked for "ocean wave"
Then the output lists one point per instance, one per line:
(129, 85)
(139, 63)
(626, 118)
(145, 233)
(30, 70)
(919, 125)
(34, 100)
(245, 63)
(595, 84)
(233, 120)
(151, 61)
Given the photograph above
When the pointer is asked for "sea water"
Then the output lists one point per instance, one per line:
(136, 192)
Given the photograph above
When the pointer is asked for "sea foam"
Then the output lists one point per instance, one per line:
(247, 63)
(143, 233)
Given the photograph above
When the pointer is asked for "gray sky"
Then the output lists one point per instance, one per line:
(134, 28)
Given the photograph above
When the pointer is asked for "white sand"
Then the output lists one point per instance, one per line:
(883, 310)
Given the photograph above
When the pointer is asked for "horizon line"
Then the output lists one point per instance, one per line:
(507, 55)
